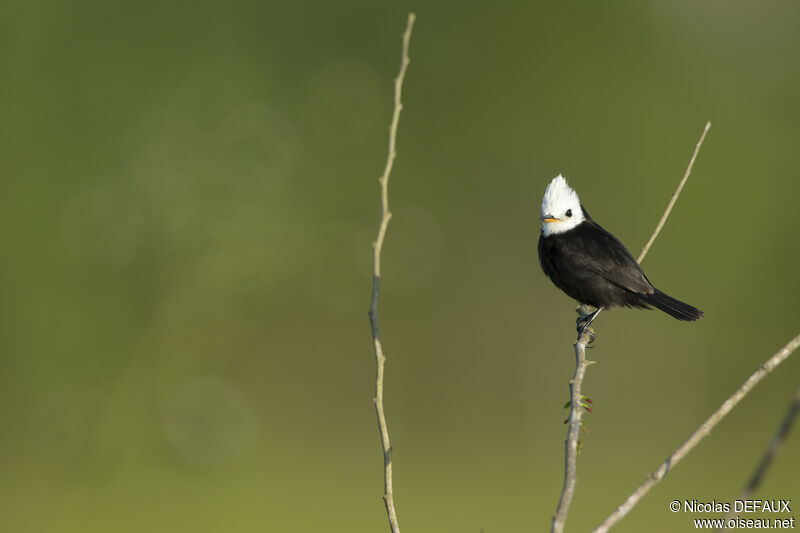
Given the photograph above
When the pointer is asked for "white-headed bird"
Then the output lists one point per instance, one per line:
(591, 265)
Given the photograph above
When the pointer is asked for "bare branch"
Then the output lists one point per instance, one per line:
(380, 359)
(574, 429)
(772, 450)
(699, 434)
(774, 445)
(674, 196)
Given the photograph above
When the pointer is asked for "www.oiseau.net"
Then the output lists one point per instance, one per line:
(737, 514)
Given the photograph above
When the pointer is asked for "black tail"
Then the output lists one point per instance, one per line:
(673, 307)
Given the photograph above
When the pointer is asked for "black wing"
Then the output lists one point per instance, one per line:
(608, 258)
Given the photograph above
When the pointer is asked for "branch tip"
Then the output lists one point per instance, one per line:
(675, 195)
(377, 246)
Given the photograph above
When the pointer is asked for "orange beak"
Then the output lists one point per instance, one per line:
(550, 218)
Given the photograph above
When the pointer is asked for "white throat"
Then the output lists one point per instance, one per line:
(561, 208)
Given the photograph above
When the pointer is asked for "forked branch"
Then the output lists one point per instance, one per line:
(575, 386)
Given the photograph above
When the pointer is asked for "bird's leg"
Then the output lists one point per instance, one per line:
(586, 322)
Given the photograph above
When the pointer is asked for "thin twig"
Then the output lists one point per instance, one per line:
(574, 429)
(774, 445)
(699, 434)
(380, 359)
(769, 455)
(674, 195)
(576, 407)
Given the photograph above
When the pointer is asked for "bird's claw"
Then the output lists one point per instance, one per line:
(584, 325)
(590, 332)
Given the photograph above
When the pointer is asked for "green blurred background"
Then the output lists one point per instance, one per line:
(189, 194)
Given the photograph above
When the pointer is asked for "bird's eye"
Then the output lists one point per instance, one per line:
(569, 212)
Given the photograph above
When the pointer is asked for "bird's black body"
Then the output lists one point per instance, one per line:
(594, 267)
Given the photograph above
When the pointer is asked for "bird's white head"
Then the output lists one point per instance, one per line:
(561, 207)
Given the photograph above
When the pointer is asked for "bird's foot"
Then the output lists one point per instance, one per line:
(583, 325)
(590, 332)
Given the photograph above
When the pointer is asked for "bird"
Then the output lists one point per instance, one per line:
(592, 266)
